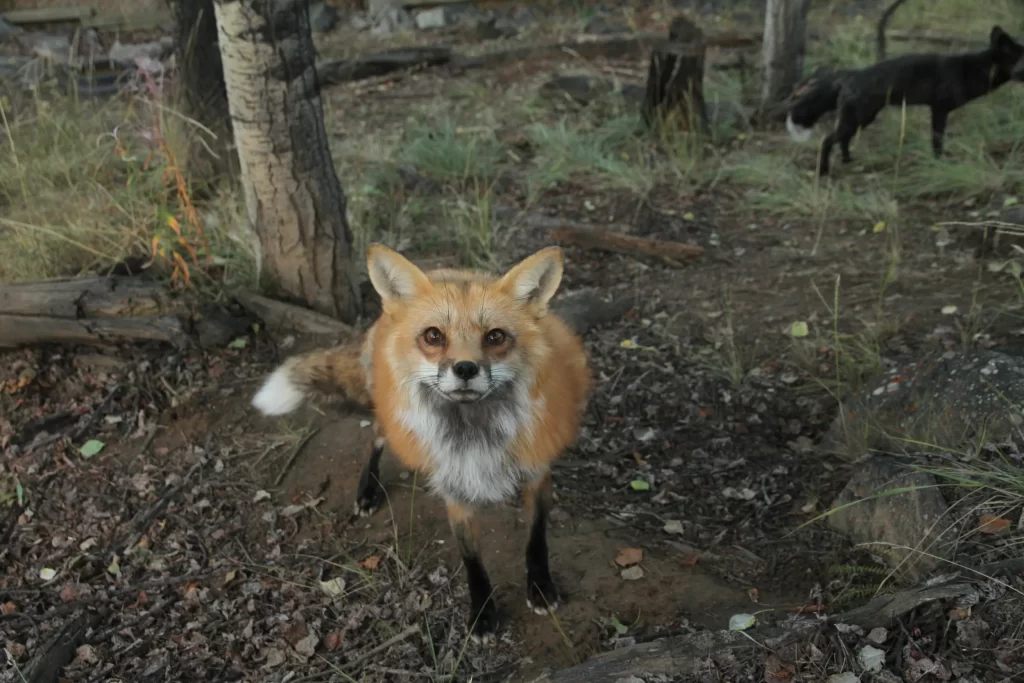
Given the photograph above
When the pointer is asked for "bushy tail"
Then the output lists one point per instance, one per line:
(335, 370)
(819, 97)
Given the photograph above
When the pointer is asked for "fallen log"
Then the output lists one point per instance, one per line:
(615, 45)
(284, 317)
(47, 15)
(688, 655)
(395, 63)
(381, 63)
(24, 330)
(672, 253)
(101, 297)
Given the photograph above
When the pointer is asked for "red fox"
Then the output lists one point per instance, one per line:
(472, 383)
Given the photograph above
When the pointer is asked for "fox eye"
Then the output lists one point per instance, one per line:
(433, 336)
(495, 337)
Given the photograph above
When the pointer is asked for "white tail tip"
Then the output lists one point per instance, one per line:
(796, 131)
(279, 394)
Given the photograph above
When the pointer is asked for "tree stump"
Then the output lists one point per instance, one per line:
(675, 79)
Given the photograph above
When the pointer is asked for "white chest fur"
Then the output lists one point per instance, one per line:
(470, 447)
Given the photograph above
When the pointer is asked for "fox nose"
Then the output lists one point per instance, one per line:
(466, 370)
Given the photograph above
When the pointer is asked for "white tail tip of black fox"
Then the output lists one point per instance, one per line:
(796, 131)
(279, 394)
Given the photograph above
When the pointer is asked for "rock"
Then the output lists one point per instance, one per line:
(389, 18)
(1014, 214)
(8, 31)
(322, 17)
(945, 401)
(899, 522)
(98, 362)
(128, 54)
(437, 17)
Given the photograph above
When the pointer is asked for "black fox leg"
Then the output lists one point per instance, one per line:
(483, 614)
(541, 592)
(825, 152)
(939, 117)
(370, 492)
(846, 128)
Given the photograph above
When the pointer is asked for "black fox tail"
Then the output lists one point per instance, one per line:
(816, 97)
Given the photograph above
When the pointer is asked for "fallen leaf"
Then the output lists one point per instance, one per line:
(307, 646)
(629, 556)
(690, 560)
(741, 622)
(86, 654)
(8, 608)
(238, 343)
(878, 227)
(19, 490)
(878, 635)
(846, 677)
(639, 485)
(871, 658)
(91, 448)
(371, 562)
(688, 216)
(292, 510)
(1010, 201)
(332, 641)
(990, 524)
(114, 568)
(775, 670)
(632, 573)
(275, 657)
(620, 628)
(47, 574)
(951, 309)
(333, 587)
(261, 495)
(229, 577)
(798, 329)
(754, 595)
(673, 526)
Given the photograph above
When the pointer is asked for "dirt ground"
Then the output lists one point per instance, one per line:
(176, 545)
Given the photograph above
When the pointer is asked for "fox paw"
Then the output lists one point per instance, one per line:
(541, 595)
(483, 626)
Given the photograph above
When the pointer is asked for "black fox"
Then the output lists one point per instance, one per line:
(943, 82)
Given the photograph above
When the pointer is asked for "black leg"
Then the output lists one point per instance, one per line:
(939, 117)
(846, 128)
(483, 614)
(541, 592)
(825, 152)
(370, 492)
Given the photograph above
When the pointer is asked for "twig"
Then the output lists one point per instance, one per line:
(142, 522)
(409, 631)
(295, 454)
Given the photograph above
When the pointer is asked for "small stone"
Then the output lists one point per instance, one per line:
(871, 658)
(633, 573)
(878, 635)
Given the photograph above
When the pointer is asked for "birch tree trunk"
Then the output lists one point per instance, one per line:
(293, 197)
(785, 44)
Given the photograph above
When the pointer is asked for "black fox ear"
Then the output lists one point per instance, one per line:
(999, 38)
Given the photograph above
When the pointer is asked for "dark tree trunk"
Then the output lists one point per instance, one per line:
(294, 199)
(675, 79)
(785, 44)
(200, 73)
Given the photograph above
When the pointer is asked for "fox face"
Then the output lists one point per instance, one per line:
(464, 338)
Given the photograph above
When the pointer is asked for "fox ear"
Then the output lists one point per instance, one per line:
(535, 279)
(394, 276)
(999, 38)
